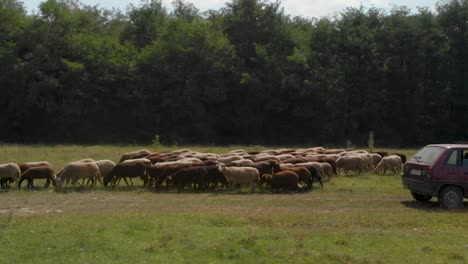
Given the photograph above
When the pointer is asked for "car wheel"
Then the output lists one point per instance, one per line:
(421, 197)
(451, 197)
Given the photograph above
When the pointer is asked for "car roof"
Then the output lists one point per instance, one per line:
(449, 145)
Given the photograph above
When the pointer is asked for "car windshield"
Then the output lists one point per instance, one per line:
(428, 154)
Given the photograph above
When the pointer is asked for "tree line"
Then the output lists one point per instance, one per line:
(244, 74)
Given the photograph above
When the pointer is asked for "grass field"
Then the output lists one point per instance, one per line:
(353, 219)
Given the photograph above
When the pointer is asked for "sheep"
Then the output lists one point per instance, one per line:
(127, 169)
(265, 158)
(285, 180)
(242, 163)
(346, 163)
(240, 175)
(135, 154)
(402, 157)
(263, 167)
(139, 160)
(74, 171)
(304, 175)
(9, 172)
(392, 162)
(229, 159)
(38, 172)
(376, 158)
(327, 169)
(334, 151)
(157, 174)
(294, 160)
(105, 166)
(27, 165)
(285, 157)
(191, 175)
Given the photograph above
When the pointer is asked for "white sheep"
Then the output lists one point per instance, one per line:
(351, 162)
(135, 154)
(9, 171)
(74, 171)
(240, 175)
(392, 162)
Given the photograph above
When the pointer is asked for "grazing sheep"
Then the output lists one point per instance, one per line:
(265, 158)
(392, 162)
(158, 174)
(304, 175)
(191, 175)
(135, 154)
(242, 163)
(327, 169)
(105, 166)
(334, 151)
(129, 169)
(229, 159)
(263, 167)
(285, 180)
(38, 172)
(285, 157)
(354, 163)
(139, 160)
(25, 166)
(402, 157)
(9, 172)
(74, 171)
(240, 175)
(294, 160)
(376, 158)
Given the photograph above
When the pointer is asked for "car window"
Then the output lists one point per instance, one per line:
(428, 154)
(464, 158)
(452, 160)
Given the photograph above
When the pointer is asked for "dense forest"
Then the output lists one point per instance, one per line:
(245, 74)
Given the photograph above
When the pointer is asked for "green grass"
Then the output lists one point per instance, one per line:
(354, 219)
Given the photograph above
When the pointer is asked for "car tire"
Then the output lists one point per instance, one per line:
(421, 197)
(451, 197)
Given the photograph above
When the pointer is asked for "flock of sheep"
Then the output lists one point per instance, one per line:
(279, 170)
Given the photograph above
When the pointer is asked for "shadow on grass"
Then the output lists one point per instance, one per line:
(431, 206)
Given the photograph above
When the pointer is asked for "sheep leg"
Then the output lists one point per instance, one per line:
(131, 182)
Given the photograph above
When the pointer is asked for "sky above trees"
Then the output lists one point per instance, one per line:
(305, 8)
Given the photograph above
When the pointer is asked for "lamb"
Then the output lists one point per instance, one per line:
(9, 172)
(135, 154)
(38, 172)
(392, 162)
(240, 175)
(74, 171)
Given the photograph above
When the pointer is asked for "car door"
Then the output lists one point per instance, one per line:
(463, 168)
(449, 169)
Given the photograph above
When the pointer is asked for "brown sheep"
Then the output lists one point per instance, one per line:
(135, 154)
(123, 170)
(191, 175)
(285, 180)
(39, 172)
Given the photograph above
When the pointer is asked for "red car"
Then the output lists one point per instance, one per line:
(439, 170)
